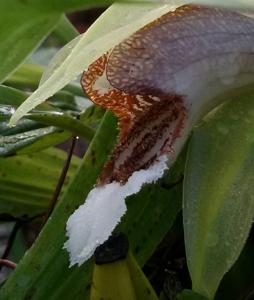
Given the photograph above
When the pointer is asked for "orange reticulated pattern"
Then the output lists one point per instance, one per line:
(127, 107)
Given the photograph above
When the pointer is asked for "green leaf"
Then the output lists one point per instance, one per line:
(146, 223)
(219, 192)
(15, 97)
(64, 121)
(117, 23)
(23, 27)
(92, 115)
(28, 75)
(238, 282)
(31, 136)
(66, 101)
(11, 96)
(24, 125)
(190, 295)
(62, 5)
(65, 31)
(28, 136)
(28, 181)
(38, 285)
(31, 141)
(61, 101)
(45, 141)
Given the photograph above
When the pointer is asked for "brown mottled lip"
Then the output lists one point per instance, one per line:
(149, 124)
(154, 79)
(151, 136)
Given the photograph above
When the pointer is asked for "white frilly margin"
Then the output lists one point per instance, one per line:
(93, 222)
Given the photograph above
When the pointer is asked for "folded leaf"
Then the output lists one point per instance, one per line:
(31, 141)
(218, 192)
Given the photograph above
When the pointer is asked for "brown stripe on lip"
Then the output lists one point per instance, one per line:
(151, 136)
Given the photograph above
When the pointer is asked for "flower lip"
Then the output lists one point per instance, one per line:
(152, 79)
(149, 124)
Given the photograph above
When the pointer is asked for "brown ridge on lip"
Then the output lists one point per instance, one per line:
(137, 114)
(147, 134)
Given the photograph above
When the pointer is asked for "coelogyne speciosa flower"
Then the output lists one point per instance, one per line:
(158, 82)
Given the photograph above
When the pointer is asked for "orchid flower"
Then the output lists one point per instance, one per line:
(159, 82)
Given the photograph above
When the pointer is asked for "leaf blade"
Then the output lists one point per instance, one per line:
(65, 282)
(28, 181)
(218, 205)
